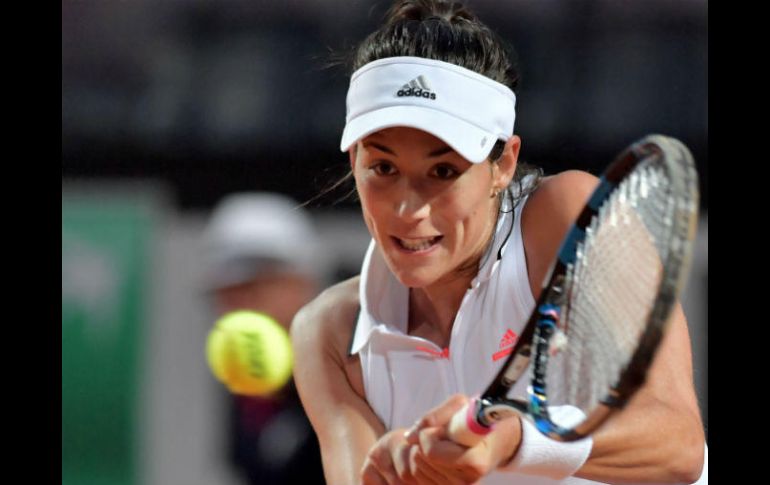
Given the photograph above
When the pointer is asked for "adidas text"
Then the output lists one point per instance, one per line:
(416, 92)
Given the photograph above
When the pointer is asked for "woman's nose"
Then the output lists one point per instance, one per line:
(412, 205)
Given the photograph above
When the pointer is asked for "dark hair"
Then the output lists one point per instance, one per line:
(443, 31)
(449, 32)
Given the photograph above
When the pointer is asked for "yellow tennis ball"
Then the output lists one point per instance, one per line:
(250, 353)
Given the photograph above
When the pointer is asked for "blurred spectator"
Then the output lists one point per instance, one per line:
(263, 254)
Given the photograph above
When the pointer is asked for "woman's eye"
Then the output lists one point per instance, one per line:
(384, 168)
(445, 172)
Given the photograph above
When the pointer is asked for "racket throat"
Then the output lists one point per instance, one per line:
(490, 411)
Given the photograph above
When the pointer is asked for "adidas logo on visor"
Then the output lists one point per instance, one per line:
(417, 87)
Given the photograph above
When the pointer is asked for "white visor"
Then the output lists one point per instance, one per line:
(466, 110)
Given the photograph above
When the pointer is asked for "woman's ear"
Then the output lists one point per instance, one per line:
(505, 166)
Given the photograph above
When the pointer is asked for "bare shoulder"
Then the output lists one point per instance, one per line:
(562, 195)
(329, 319)
(547, 216)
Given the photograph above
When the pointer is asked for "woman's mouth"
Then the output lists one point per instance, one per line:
(417, 245)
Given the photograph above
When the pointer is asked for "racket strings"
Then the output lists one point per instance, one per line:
(614, 283)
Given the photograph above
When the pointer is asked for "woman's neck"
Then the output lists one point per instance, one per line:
(432, 309)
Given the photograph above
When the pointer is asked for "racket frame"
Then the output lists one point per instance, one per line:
(493, 405)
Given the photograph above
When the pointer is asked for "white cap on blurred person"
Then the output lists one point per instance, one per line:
(252, 233)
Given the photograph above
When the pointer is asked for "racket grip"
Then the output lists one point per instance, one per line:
(464, 428)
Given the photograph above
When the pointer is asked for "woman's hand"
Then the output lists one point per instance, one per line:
(456, 462)
(394, 461)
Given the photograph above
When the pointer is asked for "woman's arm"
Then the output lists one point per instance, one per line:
(659, 434)
(329, 383)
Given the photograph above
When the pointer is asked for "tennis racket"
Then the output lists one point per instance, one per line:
(606, 301)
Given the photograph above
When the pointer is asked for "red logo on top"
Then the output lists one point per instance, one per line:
(443, 354)
(506, 345)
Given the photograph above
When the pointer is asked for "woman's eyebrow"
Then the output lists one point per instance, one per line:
(382, 148)
(435, 153)
(440, 151)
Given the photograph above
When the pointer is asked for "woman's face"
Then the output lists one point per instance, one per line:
(430, 211)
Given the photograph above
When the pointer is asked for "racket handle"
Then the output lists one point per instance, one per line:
(464, 428)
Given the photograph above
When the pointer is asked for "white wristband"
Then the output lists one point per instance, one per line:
(540, 455)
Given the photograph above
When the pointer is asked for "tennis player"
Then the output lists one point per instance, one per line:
(462, 237)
